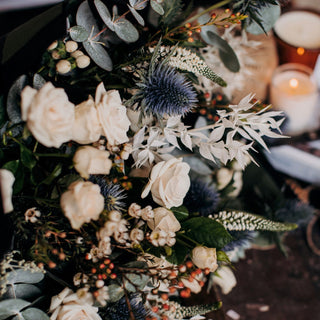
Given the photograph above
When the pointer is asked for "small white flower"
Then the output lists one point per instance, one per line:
(147, 213)
(134, 210)
(32, 215)
(114, 216)
(103, 296)
(158, 238)
(136, 235)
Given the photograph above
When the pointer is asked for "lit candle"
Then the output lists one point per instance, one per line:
(298, 37)
(294, 91)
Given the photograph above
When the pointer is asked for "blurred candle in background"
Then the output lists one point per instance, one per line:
(294, 90)
(298, 37)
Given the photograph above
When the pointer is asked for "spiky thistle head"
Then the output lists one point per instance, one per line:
(113, 193)
(241, 239)
(164, 91)
(202, 198)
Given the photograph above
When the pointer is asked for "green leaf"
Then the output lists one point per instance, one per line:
(3, 117)
(38, 81)
(222, 256)
(24, 276)
(207, 232)
(98, 54)
(54, 174)
(86, 19)
(115, 293)
(79, 33)
(135, 281)
(136, 15)
(11, 166)
(179, 253)
(226, 53)
(126, 31)
(11, 307)
(181, 213)
(14, 97)
(104, 14)
(240, 221)
(27, 157)
(265, 17)
(34, 314)
(22, 291)
(157, 7)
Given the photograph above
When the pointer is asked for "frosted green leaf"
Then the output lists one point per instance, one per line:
(38, 81)
(34, 314)
(157, 7)
(11, 307)
(22, 291)
(24, 276)
(115, 293)
(135, 281)
(79, 33)
(138, 4)
(136, 15)
(104, 14)
(126, 31)
(99, 55)
(240, 221)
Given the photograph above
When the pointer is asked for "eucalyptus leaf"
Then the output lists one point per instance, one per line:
(207, 232)
(226, 53)
(138, 4)
(13, 99)
(115, 293)
(181, 213)
(267, 16)
(11, 307)
(34, 314)
(2, 112)
(136, 15)
(22, 291)
(86, 19)
(79, 33)
(157, 7)
(104, 14)
(98, 54)
(125, 30)
(135, 281)
(38, 81)
(24, 276)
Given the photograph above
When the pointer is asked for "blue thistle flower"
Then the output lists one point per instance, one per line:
(113, 193)
(242, 239)
(120, 310)
(165, 91)
(201, 198)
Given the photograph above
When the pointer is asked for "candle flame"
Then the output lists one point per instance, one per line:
(293, 83)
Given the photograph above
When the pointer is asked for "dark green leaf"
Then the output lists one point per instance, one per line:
(98, 54)
(54, 174)
(11, 307)
(126, 31)
(179, 253)
(27, 157)
(79, 33)
(207, 232)
(181, 213)
(11, 166)
(13, 99)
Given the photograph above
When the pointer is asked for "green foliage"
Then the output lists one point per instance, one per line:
(115, 293)
(181, 213)
(157, 7)
(11, 307)
(99, 55)
(240, 221)
(172, 9)
(207, 232)
(79, 33)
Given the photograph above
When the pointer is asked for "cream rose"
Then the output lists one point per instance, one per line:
(204, 257)
(112, 115)
(82, 202)
(49, 114)
(67, 305)
(225, 279)
(89, 160)
(164, 220)
(86, 127)
(169, 182)
(6, 183)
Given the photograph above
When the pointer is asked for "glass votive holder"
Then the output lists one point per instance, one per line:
(294, 90)
(297, 34)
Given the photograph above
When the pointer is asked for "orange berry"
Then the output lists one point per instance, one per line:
(164, 296)
(187, 25)
(189, 264)
(113, 276)
(106, 261)
(93, 270)
(52, 265)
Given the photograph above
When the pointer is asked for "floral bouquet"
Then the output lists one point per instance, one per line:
(118, 158)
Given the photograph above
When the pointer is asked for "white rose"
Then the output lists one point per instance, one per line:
(169, 182)
(6, 183)
(225, 279)
(49, 114)
(86, 127)
(82, 202)
(89, 160)
(164, 220)
(68, 306)
(204, 257)
(112, 115)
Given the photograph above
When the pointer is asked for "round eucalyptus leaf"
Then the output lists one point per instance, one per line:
(136, 15)
(98, 54)
(157, 7)
(11, 307)
(79, 33)
(115, 293)
(126, 31)
(24, 276)
(138, 280)
(268, 16)
(138, 4)
(38, 81)
(34, 314)
(22, 291)
(86, 19)
(13, 99)
(104, 13)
